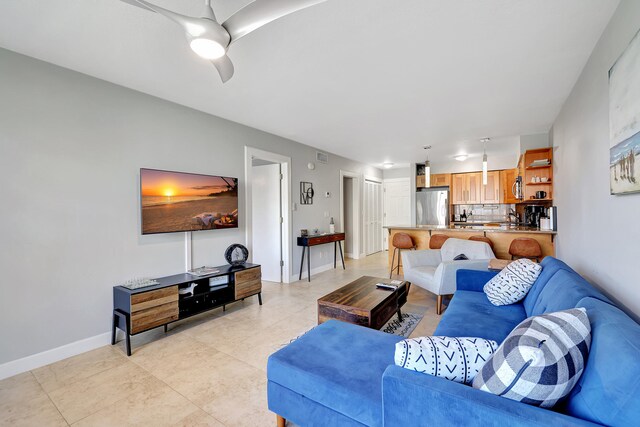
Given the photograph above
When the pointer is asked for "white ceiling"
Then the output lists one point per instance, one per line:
(371, 80)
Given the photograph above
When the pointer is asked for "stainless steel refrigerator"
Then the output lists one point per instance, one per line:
(432, 206)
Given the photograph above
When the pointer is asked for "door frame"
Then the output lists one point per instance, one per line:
(251, 153)
(355, 200)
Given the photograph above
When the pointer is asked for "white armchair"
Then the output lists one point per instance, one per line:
(435, 270)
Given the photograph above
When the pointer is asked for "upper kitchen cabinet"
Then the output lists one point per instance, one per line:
(507, 181)
(490, 193)
(441, 180)
(437, 180)
(466, 188)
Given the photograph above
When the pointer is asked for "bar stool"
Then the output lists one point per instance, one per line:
(400, 241)
(524, 247)
(437, 240)
(482, 239)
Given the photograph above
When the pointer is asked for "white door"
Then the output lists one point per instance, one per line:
(265, 220)
(373, 216)
(397, 204)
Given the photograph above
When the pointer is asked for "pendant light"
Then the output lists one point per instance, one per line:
(427, 169)
(485, 171)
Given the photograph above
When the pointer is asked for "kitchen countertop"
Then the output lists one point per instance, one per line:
(473, 227)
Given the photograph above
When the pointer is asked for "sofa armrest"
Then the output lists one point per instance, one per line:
(410, 398)
(412, 259)
(446, 274)
(473, 280)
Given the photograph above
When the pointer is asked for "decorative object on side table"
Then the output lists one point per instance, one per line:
(306, 193)
(624, 120)
(236, 254)
(139, 282)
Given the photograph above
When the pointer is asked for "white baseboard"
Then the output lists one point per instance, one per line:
(38, 360)
(314, 271)
(348, 255)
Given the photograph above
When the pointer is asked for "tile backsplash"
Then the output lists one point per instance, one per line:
(484, 213)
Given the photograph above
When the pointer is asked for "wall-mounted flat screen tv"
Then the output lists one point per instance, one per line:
(177, 201)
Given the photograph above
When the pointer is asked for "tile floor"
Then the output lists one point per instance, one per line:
(209, 370)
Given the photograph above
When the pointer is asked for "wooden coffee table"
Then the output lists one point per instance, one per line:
(362, 303)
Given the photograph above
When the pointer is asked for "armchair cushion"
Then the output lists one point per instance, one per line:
(471, 248)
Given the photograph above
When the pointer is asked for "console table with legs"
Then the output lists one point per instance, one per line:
(142, 309)
(320, 239)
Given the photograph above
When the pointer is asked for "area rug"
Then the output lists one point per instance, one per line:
(402, 328)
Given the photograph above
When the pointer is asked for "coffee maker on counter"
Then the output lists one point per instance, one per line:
(532, 215)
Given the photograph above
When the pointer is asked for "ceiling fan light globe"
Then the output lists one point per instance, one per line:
(207, 48)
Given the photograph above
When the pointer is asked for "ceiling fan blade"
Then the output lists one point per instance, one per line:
(182, 20)
(135, 3)
(261, 12)
(224, 67)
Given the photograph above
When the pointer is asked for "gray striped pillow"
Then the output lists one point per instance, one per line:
(513, 282)
(541, 360)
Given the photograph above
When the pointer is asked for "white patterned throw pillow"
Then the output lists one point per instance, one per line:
(513, 282)
(455, 359)
(541, 360)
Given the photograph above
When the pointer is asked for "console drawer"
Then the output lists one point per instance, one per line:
(248, 282)
(151, 317)
(145, 300)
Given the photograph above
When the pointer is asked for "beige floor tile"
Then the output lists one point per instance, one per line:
(199, 419)
(37, 411)
(83, 398)
(77, 368)
(158, 407)
(245, 406)
(19, 388)
(211, 377)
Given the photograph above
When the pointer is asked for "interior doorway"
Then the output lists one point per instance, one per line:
(397, 204)
(372, 216)
(350, 212)
(267, 213)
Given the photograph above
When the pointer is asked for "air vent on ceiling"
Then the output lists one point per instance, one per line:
(322, 157)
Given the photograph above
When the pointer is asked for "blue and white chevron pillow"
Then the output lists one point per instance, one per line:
(455, 359)
(513, 282)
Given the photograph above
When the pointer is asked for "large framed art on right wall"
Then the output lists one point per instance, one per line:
(624, 120)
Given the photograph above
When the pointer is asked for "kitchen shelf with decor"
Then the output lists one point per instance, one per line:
(536, 169)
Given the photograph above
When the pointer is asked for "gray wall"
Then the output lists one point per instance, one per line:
(598, 233)
(70, 151)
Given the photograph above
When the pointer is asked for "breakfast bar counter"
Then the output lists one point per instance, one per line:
(501, 236)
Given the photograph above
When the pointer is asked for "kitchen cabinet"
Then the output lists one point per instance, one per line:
(440, 179)
(466, 188)
(507, 179)
(437, 180)
(490, 193)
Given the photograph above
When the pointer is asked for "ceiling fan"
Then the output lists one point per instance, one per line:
(211, 40)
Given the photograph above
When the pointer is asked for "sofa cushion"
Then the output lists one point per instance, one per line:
(550, 266)
(470, 314)
(338, 365)
(563, 291)
(541, 360)
(453, 358)
(609, 390)
(513, 282)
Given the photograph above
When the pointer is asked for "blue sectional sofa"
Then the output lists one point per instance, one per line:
(340, 374)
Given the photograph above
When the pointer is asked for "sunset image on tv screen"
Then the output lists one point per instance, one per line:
(176, 201)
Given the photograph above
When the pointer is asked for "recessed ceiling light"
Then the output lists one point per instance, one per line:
(461, 157)
(387, 165)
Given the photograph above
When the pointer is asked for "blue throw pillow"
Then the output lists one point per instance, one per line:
(455, 359)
